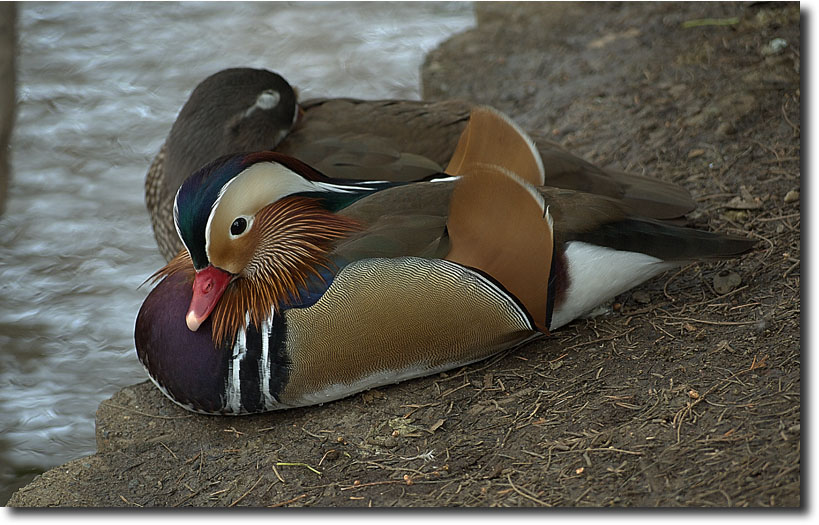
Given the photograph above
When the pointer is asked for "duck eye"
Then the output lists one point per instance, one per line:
(239, 226)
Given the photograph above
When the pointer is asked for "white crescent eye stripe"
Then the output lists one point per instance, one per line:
(264, 183)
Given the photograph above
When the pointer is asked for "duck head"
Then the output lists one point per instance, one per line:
(257, 230)
(233, 110)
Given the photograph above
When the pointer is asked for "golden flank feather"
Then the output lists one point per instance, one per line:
(498, 222)
(499, 225)
(292, 239)
(491, 137)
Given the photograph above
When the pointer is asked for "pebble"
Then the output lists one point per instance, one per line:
(694, 153)
(725, 129)
(736, 215)
(774, 47)
(725, 281)
(738, 203)
(792, 196)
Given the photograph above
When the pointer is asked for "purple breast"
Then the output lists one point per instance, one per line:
(186, 364)
(244, 377)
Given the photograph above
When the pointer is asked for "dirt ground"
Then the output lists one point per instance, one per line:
(686, 394)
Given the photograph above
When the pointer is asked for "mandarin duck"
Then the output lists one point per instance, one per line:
(241, 109)
(296, 288)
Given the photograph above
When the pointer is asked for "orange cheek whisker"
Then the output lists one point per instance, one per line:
(296, 236)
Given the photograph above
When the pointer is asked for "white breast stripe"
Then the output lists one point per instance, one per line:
(264, 368)
(233, 389)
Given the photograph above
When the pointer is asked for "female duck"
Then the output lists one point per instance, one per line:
(243, 109)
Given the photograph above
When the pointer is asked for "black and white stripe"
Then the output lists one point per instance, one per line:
(257, 369)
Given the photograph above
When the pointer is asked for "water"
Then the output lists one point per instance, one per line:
(99, 85)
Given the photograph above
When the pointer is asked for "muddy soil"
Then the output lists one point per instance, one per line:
(686, 393)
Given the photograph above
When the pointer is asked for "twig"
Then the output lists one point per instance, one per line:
(763, 238)
(168, 449)
(791, 124)
(720, 297)
(246, 493)
(601, 449)
(180, 502)
(305, 465)
(792, 268)
(779, 218)
(276, 472)
(602, 339)
(702, 321)
(689, 406)
(283, 503)
(527, 496)
(129, 502)
(387, 482)
(451, 390)
(665, 286)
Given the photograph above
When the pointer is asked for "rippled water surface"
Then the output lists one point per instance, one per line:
(99, 85)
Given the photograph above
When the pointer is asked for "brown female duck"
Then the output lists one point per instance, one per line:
(243, 110)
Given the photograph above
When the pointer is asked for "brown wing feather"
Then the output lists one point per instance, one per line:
(499, 225)
(490, 135)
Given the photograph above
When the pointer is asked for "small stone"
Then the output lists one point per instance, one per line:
(641, 297)
(745, 200)
(725, 129)
(774, 47)
(736, 215)
(738, 203)
(792, 196)
(694, 153)
(725, 281)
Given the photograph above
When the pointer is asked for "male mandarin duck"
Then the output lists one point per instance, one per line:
(296, 288)
(245, 109)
